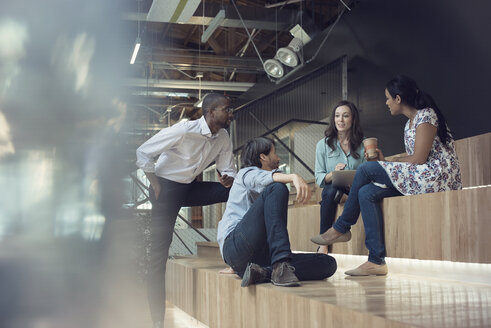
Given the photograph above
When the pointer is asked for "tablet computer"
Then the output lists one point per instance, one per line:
(343, 179)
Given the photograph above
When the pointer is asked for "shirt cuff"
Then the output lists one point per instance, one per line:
(271, 175)
(230, 173)
(147, 167)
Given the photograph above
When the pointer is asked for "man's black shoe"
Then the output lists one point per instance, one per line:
(254, 274)
(283, 275)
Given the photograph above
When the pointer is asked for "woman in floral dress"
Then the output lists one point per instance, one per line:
(429, 165)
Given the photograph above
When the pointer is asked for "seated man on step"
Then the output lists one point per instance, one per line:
(253, 234)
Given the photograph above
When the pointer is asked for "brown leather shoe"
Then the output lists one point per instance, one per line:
(283, 275)
(380, 270)
(320, 240)
(254, 274)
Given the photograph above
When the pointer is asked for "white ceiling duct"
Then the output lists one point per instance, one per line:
(172, 11)
(192, 85)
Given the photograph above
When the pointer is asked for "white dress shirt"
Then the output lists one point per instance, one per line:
(184, 150)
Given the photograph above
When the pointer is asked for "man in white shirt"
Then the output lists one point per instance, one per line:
(184, 151)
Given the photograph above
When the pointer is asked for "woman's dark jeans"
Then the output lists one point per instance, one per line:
(366, 196)
(261, 237)
(328, 207)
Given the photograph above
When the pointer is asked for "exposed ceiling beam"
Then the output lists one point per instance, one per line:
(278, 4)
(199, 20)
(191, 32)
(269, 43)
(165, 31)
(254, 17)
(215, 45)
(163, 66)
(186, 60)
(151, 95)
(190, 85)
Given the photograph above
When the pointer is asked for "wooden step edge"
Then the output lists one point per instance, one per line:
(207, 244)
(472, 273)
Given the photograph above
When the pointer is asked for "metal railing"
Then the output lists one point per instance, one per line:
(272, 132)
(288, 125)
(145, 191)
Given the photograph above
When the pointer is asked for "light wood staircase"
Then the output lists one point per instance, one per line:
(439, 258)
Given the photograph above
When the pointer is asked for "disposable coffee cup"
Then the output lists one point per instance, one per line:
(370, 145)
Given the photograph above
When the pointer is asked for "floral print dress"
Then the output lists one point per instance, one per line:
(441, 171)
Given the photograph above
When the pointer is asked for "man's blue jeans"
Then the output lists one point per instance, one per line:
(366, 196)
(261, 237)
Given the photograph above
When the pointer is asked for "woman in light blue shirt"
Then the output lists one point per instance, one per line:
(341, 149)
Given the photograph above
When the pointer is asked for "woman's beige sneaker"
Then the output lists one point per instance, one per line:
(320, 240)
(380, 270)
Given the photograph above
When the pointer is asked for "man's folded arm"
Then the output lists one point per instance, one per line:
(156, 145)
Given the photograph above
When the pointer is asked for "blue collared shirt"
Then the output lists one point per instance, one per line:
(248, 185)
(326, 159)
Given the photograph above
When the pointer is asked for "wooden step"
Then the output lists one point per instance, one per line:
(398, 300)
(314, 199)
(451, 226)
(208, 249)
(474, 155)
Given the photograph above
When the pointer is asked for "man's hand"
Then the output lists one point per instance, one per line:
(154, 183)
(156, 189)
(225, 180)
(303, 190)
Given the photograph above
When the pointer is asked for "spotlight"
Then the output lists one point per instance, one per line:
(288, 55)
(273, 68)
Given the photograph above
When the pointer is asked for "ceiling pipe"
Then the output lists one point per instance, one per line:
(152, 110)
(283, 3)
(254, 17)
(192, 85)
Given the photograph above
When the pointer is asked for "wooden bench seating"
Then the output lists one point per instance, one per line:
(474, 155)
(447, 226)
(451, 225)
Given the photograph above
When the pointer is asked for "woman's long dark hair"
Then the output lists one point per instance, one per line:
(355, 133)
(411, 95)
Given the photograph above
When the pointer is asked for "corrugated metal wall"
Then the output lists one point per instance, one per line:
(304, 144)
(309, 98)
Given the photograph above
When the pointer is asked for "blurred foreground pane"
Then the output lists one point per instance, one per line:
(67, 249)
